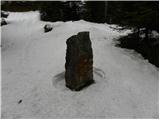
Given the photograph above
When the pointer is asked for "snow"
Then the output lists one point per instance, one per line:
(126, 85)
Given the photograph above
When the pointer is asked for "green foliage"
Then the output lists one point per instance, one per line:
(142, 14)
(95, 11)
(19, 6)
(132, 41)
(51, 11)
(57, 10)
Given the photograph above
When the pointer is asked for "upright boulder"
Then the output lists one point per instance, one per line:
(79, 62)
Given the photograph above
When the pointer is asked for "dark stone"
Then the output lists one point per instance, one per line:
(4, 14)
(3, 22)
(19, 101)
(48, 27)
(79, 62)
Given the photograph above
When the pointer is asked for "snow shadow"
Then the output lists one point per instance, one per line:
(58, 81)
(59, 76)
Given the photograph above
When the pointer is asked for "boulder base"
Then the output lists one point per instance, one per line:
(79, 62)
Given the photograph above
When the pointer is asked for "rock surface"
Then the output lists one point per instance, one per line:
(48, 27)
(3, 22)
(4, 14)
(79, 62)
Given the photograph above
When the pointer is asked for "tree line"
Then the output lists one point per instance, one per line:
(137, 14)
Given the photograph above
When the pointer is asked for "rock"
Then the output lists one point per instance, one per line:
(4, 14)
(48, 27)
(79, 62)
(3, 22)
(20, 101)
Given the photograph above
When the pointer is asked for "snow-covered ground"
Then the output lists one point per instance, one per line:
(33, 85)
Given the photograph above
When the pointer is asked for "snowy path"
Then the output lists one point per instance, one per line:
(33, 73)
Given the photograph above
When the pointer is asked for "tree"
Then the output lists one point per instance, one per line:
(51, 11)
(95, 11)
(143, 14)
